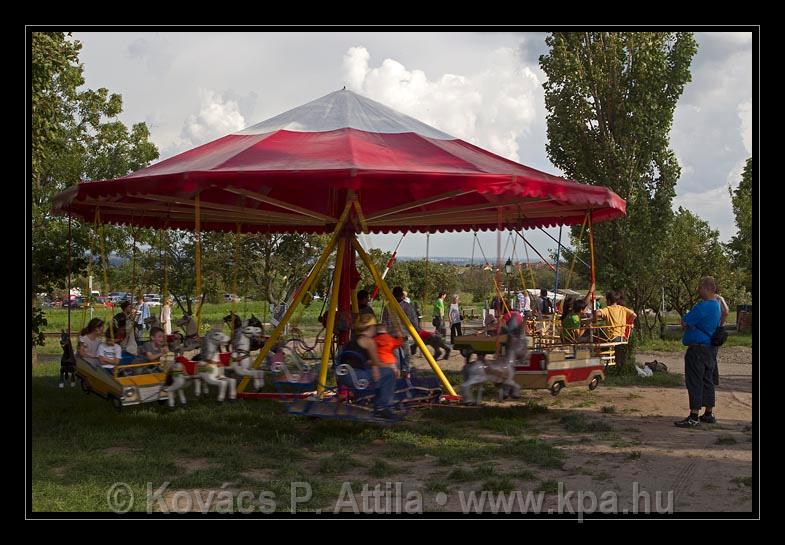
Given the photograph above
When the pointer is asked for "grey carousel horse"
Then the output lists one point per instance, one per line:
(501, 371)
(190, 340)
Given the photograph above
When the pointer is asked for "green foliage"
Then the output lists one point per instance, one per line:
(692, 250)
(74, 136)
(741, 244)
(39, 324)
(610, 99)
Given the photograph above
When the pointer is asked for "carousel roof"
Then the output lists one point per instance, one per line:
(294, 173)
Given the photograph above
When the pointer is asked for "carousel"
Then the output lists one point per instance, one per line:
(341, 165)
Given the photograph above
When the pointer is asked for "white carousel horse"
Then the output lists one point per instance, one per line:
(210, 369)
(241, 354)
(501, 372)
(175, 380)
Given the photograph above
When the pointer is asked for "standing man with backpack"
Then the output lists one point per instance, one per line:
(544, 305)
(700, 336)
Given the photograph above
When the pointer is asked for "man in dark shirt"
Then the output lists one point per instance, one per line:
(396, 328)
(699, 361)
(362, 303)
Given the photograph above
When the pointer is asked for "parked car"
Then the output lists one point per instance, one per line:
(119, 296)
(103, 301)
(154, 301)
(229, 297)
(74, 302)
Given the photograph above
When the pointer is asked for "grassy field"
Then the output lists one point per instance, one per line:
(307, 320)
(672, 342)
(81, 447)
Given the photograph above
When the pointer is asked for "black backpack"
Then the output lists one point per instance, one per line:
(547, 306)
(719, 336)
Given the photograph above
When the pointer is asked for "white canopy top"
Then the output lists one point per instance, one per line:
(345, 109)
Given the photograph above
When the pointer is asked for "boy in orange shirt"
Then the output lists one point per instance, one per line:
(386, 345)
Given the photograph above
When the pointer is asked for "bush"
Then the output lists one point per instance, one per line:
(39, 322)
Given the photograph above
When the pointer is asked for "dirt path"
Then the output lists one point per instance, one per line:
(708, 469)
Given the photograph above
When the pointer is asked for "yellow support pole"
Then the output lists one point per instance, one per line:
(355, 304)
(330, 327)
(275, 335)
(198, 262)
(235, 266)
(402, 316)
(575, 254)
(108, 312)
(593, 289)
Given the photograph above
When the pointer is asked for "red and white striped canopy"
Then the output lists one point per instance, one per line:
(295, 172)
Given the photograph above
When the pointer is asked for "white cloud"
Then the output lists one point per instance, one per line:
(713, 206)
(491, 108)
(745, 114)
(217, 117)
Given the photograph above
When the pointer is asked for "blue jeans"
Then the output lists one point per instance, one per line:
(385, 388)
(403, 353)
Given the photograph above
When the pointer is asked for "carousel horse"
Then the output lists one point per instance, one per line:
(67, 360)
(175, 381)
(241, 354)
(190, 339)
(279, 361)
(501, 371)
(234, 322)
(210, 369)
(435, 341)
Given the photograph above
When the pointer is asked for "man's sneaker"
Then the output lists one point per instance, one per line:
(689, 422)
(708, 418)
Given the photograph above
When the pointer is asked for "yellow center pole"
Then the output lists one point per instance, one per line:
(330, 327)
(402, 316)
(275, 335)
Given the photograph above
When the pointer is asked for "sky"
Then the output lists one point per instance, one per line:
(482, 87)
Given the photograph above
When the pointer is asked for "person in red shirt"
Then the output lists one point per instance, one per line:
(435, 341)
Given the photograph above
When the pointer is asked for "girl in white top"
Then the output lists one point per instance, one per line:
(166, 316)
(89, 341)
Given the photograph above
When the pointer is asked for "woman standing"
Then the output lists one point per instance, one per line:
(166, 316)
(456, 317)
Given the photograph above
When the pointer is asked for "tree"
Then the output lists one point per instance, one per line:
(74, 136)
(610, 99)
(692, 250)
(71, 141)
(740, 245)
